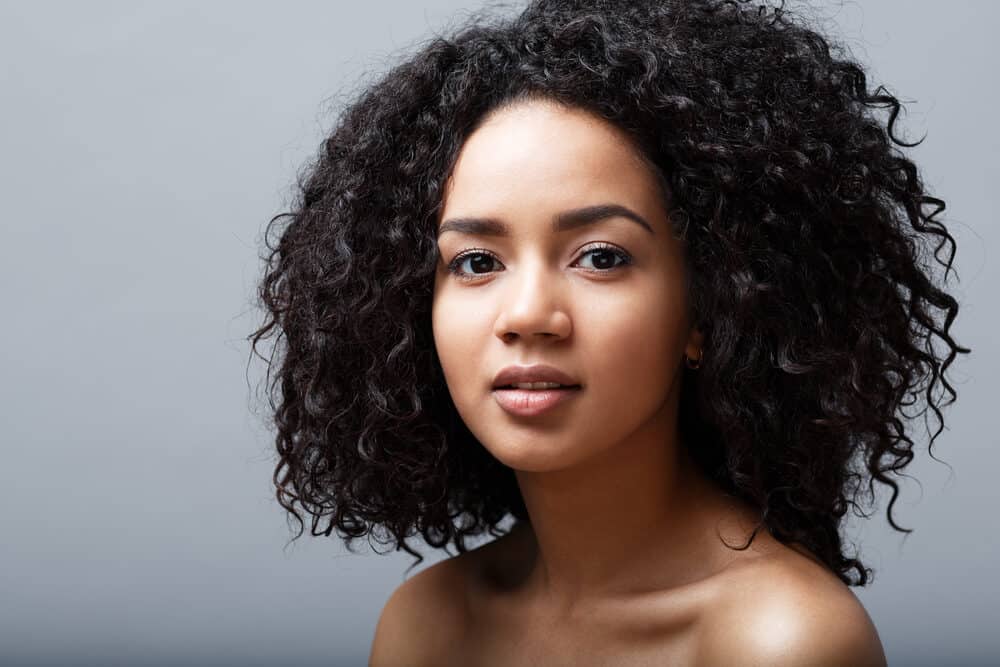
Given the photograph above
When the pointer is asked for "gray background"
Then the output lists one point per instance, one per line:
(145, 145)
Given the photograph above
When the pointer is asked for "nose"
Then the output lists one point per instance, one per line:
(533, 305)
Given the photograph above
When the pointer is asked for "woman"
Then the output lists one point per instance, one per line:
(684, 217)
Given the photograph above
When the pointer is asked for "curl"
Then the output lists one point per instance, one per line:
(805, 231)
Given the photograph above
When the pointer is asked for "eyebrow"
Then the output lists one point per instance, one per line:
(571, 219)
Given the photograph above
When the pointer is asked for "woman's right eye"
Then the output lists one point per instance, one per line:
(479, 258)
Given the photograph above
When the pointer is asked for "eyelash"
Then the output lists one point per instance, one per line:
(472, 252)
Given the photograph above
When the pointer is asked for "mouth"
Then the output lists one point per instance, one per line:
(541, 386)
(536, 376)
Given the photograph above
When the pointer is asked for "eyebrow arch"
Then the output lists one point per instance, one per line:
(571, 219)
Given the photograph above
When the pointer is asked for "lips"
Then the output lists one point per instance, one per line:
(531, 402)
(537, 373)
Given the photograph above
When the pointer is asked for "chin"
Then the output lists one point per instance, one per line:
(536, 452)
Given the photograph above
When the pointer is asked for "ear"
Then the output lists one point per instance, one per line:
(694, 345)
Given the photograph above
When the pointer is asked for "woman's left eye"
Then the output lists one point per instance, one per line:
(602, 257)
(606, 255)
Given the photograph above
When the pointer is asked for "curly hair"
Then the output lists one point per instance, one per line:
(805, 232)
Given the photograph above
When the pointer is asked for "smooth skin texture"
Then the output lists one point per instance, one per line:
(623, 561)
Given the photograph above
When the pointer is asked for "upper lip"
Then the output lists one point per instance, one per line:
(536, 373)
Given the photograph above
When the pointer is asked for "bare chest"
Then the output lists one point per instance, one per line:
(614, 640)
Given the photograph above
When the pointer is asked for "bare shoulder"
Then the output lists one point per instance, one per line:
(788, 611)
(421, 618)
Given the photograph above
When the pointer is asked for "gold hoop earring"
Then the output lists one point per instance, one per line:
(693, 364)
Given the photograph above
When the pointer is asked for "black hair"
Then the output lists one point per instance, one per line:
(805, 230)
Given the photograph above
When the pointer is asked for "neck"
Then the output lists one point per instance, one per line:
(638, 515)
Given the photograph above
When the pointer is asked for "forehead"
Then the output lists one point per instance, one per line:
(539, 156)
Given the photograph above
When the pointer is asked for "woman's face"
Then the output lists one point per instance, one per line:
(603, 302)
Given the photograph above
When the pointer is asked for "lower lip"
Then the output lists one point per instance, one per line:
(531, 402)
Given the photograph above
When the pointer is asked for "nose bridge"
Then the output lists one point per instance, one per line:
(533, 281)
(533, 298)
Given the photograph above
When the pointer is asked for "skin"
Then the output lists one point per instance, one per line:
(625, 549)
(603, 472)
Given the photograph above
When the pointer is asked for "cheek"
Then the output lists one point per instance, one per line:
(458, 330)
(634, 346)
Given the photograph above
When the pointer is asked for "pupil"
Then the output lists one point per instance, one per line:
(609, 259)
(480, 260)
